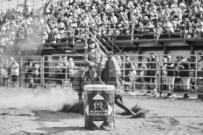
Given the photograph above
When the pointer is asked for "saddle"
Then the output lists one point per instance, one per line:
(92, 76)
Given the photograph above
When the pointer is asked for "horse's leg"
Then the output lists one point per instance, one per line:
(121, 99)
(100, 76)
(82, 82)
(100, 80)
(80, 89)
(119, 103)
(80, 92)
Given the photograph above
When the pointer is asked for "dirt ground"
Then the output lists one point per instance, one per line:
(166, 117)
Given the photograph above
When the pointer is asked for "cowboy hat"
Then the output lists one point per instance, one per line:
(92, 45)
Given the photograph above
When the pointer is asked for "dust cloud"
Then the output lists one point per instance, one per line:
(36, 99)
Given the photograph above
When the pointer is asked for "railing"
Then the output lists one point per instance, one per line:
(95, 38)
(149, 76)
(159, 79)
(113, 45)
(114, 33)
(133, 33)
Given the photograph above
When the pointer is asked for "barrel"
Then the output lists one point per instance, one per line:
(200, 88)
(99, 107)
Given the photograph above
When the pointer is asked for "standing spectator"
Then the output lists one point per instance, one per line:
(185, 75)
(164, 73)
(15, 69)
(200, 65)
(170, 75)
(71, 66)
(5, 72)
(151, 73)
(143, 74)
(193, 69)
(199, 27)
(64, 68)
(36, 74)
(178, 82)
(29, 73)
(58, 72)
(128, 65)
(132, 76)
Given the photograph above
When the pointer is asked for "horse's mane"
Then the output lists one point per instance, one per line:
(116, 65)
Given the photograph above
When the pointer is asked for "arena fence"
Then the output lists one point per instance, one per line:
(149, 73)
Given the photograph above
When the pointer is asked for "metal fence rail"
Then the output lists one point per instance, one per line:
(138, 72)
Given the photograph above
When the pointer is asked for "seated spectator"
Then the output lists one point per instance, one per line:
(158, 30)
(149, 27)
(168, 27)
(132, 77)
(199, 27)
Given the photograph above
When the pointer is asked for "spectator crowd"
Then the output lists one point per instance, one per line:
(59, 20)
(16, 26)
(119, 17)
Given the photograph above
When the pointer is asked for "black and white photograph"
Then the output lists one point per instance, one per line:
(101, 67)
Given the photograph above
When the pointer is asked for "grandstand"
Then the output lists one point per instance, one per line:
(126, 36)
(122, 33)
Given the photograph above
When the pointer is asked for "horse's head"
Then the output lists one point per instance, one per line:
(114, 67)
(111, 72)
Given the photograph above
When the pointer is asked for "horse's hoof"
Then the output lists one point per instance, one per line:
(140, 114)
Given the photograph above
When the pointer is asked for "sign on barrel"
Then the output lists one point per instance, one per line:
(99, 106)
